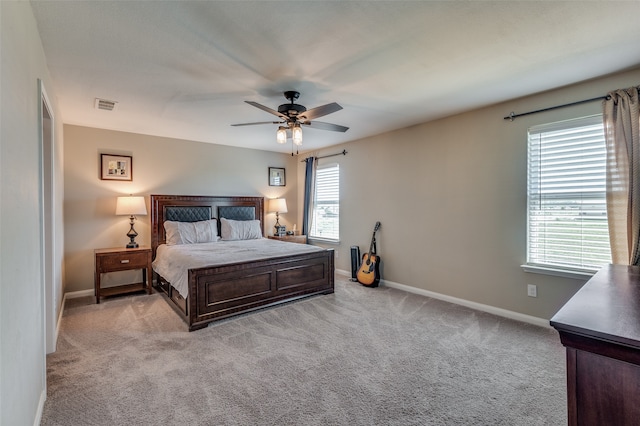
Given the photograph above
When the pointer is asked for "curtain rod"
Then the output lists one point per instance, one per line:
(344, 152)
(513, 115)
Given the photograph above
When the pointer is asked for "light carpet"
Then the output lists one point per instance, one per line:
(360, 356)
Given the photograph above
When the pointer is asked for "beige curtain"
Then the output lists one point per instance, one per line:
(622, 134)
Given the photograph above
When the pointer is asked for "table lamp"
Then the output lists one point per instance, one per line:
(131, 206)
(277, 205)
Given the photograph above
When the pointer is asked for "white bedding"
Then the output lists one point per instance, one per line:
(173, 262)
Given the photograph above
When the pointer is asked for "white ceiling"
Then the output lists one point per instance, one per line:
(183, 69)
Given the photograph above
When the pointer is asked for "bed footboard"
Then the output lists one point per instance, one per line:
(223, 291)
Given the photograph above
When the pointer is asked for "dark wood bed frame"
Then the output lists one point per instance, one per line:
(219, 292)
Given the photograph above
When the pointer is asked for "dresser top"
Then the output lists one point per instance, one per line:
(607, 307)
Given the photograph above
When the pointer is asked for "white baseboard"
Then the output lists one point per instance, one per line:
(62, 305)
(80, 293)
(69, 295)
(342, 272)
(469, 304)
(43, 398)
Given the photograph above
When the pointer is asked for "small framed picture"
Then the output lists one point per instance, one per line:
(277, 177)
(116, 167)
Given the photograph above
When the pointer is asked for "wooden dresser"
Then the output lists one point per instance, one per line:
(600, 328)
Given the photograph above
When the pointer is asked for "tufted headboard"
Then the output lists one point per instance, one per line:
(193, 208)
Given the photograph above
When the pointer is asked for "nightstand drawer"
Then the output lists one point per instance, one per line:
(123, 261)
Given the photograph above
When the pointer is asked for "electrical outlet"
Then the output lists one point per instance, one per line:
(336, 252)
(532, 290)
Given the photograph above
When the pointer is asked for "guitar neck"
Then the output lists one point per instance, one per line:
(373, 240)
(373, 243)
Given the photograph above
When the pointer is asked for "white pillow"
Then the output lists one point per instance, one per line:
(240, 229)
(205, 231)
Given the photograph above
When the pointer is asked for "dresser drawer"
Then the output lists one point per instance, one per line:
(123, 261)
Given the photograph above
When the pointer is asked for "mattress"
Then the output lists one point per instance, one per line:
(173, 262)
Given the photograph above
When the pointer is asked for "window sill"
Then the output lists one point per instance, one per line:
(324, 240)
(565, 273)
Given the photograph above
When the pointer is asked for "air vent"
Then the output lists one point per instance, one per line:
(105, 104)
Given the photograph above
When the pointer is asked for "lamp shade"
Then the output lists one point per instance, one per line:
(277, 205)
(131, 206)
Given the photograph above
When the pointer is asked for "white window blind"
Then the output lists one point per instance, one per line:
(326, 212)
(567, 215)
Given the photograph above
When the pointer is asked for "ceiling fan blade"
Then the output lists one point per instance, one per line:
(326, 126)
(319, 111)
(258, 122)
(267, 109)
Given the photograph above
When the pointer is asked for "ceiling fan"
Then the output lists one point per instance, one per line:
(293, 117)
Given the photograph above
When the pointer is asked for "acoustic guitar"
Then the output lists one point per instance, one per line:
(369, 272)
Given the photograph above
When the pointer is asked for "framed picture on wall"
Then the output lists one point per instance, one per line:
(116, 167)
(277, 176)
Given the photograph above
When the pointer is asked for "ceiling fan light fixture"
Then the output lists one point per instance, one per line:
(292, 116)
(297, 134)
(281, 135)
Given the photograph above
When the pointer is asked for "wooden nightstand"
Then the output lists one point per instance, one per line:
(122, 259)
(300, 239)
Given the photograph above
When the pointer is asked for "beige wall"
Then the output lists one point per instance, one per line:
(22, 293)
(451, 197)
(160, 166)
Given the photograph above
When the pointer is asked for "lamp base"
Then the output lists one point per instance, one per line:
(132, 234)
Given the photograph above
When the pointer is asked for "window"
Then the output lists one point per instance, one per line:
(326, 211)
(567, 214)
